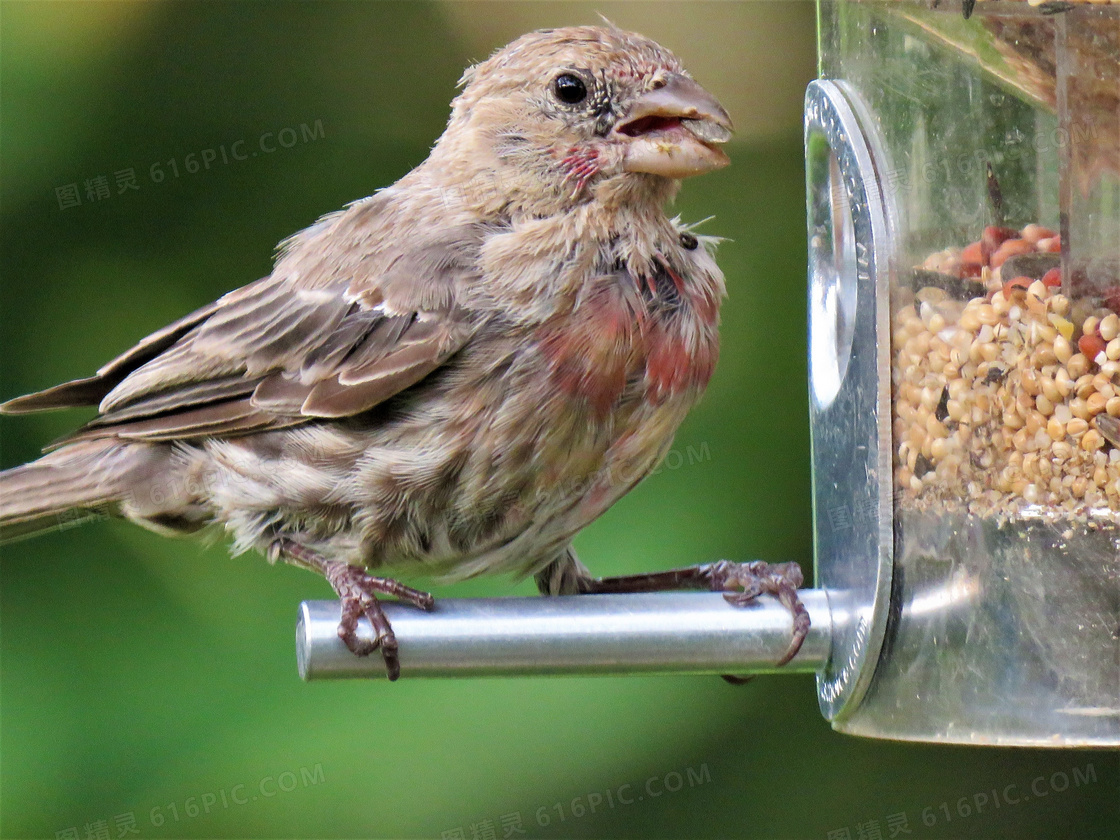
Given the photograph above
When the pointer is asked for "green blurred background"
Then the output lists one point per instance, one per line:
(148, 686)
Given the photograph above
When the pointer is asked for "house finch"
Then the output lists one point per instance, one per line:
(452, 376)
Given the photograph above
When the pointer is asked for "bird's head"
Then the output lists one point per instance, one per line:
(558, 112)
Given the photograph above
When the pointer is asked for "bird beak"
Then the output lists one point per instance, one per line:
(675, 130)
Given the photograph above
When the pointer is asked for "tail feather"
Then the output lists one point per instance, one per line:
(67, 486)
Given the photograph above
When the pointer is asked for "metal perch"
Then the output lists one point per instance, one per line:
(651, 633)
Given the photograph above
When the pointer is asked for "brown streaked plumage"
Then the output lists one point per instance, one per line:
(454, 375)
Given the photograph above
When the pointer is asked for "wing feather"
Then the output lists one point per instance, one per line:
(291, 347)
(162, 402)
(91, 390)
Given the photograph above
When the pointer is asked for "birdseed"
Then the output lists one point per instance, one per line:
(1006, 391)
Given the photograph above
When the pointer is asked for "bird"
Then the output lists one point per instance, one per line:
(450, 377)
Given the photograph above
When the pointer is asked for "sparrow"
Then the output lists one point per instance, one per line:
(450, 377)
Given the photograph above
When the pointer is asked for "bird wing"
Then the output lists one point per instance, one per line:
(341, 325)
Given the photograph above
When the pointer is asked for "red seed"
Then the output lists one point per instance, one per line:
(973, 255)
(1052, 278)
(1032, 233)
(993, 236)
(1016, 284)
(1009, 249)
(1091, 346)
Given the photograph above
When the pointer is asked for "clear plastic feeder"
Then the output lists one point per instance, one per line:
(964, 248)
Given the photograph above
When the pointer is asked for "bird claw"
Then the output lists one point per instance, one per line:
(742, 583)
(353, 608)
(358, 593)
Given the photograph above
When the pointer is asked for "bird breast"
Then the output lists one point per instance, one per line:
(653, 333)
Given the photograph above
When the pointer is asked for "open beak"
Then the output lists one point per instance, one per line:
(675, 130)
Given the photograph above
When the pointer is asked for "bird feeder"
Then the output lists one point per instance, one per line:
(963, 169)
(963, 165)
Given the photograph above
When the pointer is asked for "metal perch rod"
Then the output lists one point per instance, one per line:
(650, 633)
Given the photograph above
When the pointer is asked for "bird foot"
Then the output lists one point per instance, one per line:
(742, 583)
(358, 592)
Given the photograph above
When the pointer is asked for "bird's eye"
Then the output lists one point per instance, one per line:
(569, 89)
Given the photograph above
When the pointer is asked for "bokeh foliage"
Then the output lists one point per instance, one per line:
(139, 672)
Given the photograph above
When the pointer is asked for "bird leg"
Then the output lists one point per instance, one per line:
(358, 593)
(741, 584)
